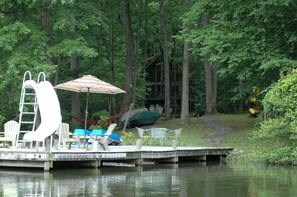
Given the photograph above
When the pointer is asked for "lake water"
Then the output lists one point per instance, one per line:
(184, 179)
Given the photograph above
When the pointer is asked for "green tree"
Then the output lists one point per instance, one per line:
(23, 44)
(165, 60)
(241, 37)
(185, 117)
(280, 128)
(130, 54)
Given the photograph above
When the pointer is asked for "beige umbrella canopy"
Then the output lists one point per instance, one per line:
(89, 84)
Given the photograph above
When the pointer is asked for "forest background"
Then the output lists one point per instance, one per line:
(220, 48)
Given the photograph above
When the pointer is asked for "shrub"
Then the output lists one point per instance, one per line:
(280, 104)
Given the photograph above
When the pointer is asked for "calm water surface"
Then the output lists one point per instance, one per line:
(184, 179)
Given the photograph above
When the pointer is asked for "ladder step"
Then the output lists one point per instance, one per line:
(28, 106)
(30, 94)
(30, 103)
(30, 113)
(29, 88)
(24, 131)
(27, 122)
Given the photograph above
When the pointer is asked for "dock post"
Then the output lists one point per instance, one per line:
(174, 144)
(96, 163)
(47, 165)
(138, 144)
(139, 162)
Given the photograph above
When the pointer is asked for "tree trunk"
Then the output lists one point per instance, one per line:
(241, 100)
(46, 21)
(185, 118)
(75, 101)
(139, 22)
(165, 61)
(111, 61)
(210, 81)
(130, 55)
(210, 87)
(46, 17)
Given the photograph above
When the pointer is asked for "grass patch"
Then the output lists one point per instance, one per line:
(192, 134)
(245, 149)
(239, 122)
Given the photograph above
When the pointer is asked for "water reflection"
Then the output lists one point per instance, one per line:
(187, 179)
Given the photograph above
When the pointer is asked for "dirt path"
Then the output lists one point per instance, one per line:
(219, 128)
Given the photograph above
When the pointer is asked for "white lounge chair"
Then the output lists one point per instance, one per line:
(102, 139)
(10, 132)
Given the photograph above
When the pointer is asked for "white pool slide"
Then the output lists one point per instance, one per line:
(50, 112)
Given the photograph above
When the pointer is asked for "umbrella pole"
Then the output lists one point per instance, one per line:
(86, 118)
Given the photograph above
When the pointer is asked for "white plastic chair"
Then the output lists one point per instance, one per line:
(175, 135)
(11, 129)
(158, 134)
(65, 136)
(141, 132)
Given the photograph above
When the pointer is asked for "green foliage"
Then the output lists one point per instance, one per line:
(128, 137)
(282, 155)
(2, 119)
(272, 69)
(145, 140)
(250, 41)
(280, 100)
(72, 47)
(102, 117)
(247, 40)
(280, 105)
(197, 88)
(274, 129)
(11, 34)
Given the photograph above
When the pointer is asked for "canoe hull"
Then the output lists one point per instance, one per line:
(143, 118)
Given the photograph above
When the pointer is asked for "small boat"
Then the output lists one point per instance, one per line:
(143, 118)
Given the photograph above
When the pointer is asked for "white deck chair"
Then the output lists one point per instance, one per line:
(175, 135)
(10, 132)
(158, 134)
(140, 132)
(143, 133)
(102, 139)
(65, 136)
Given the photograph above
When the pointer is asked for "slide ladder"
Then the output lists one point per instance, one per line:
(28, 106)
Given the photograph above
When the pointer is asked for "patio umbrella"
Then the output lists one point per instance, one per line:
(89, 84)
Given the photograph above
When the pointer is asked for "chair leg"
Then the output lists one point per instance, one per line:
(104, 146)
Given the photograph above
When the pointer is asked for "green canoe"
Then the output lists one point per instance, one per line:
(143, 118)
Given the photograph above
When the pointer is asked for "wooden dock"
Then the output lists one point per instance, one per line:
(46, 160)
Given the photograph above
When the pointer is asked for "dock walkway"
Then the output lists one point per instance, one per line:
(47, 160)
